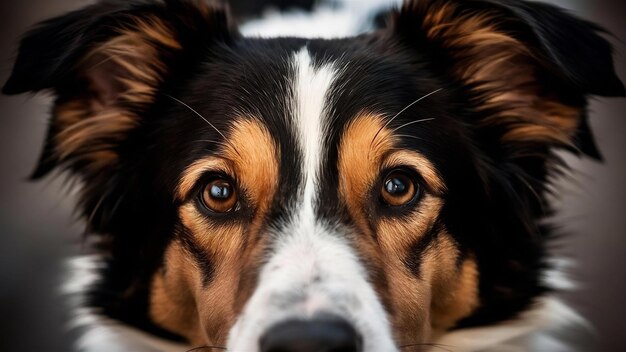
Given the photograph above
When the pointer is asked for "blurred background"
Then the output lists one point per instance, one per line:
(38, 227)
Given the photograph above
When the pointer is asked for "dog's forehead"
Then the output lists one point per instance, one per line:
(272, 79)
(305, 93)
(258, 77)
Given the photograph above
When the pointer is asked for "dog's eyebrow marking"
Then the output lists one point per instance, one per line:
(360, 162)
(193, 172)
(255, 169)
(359, 159)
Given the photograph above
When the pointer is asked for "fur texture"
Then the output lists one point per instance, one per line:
(395, 180)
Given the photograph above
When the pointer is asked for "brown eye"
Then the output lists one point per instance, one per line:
(220, 196)
(398, 188)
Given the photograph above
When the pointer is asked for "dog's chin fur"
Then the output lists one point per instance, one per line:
(335, 238)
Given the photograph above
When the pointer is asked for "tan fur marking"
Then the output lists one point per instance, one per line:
(396, 236)
(194, 171)
(455, 294)
(215, 303)
(504, 73)
(411, 297)
(360, 157)
(173, 306)
(256, 156)
(158, 31)
(360, 165)
(87, 135)
(70, 112)
(110, 125)
(236, 248)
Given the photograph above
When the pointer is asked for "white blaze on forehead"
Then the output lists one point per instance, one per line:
(312, 269)
(309, 96)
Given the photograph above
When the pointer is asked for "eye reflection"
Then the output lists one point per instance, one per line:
(220, 196)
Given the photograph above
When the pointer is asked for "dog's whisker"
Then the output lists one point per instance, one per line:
(411, 123)
(408, 136)
(207, 141)
(95, 209)
(533, 191)
(205, 120)
(403, 110)
(436, 345)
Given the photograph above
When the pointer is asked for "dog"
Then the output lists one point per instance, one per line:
(377, 192)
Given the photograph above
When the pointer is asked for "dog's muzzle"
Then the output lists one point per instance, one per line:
(313, 294)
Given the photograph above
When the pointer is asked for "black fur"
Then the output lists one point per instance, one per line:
(494, 202)
(502, 194)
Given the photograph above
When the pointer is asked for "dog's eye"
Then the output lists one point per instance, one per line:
(398, 188)
(220, 195)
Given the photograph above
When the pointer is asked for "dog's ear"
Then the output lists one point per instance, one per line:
(105, 63)
(527, 66)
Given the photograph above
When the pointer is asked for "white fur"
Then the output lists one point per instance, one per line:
(98, 333)
(311, 260)
(556, 277)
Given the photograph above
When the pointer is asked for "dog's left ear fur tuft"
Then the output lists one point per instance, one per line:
(56, 51)
(105, 65)
(528, 68)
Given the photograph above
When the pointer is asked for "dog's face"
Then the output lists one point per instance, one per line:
(298, 206)
(285, 194)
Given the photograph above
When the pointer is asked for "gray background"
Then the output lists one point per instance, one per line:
(38, 227)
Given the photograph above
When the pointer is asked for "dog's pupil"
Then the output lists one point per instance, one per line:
(395, 186)
(220, 191)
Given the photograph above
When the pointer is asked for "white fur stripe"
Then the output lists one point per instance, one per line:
(312, 269)
(310, 91)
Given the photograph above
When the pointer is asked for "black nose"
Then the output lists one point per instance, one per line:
(320, 335)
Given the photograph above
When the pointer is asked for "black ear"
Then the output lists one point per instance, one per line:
(569, 46)
(105, 63)
(51, 53)
(525, 71)
(527, 67)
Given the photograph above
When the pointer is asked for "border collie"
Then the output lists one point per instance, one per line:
(378, 191)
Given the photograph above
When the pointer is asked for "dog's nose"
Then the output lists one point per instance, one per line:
(320, 335)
